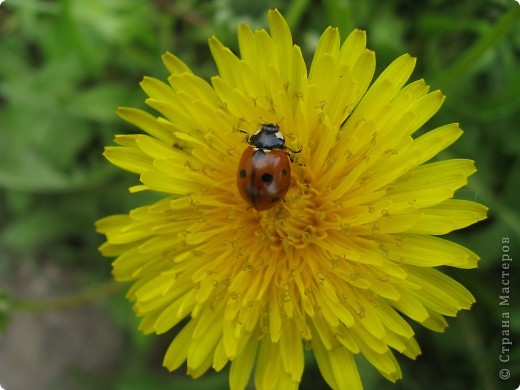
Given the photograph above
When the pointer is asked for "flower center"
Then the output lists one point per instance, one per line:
(299, 220)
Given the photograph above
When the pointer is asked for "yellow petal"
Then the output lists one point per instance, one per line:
(174, 64)
(178, 350)
(242, 365)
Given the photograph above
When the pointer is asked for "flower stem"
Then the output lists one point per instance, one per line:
(467, 60)
(69, 301)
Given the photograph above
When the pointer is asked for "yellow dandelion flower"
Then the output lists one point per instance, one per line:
(334, 266)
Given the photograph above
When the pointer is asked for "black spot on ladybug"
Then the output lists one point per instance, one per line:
(267, 178)
(264, 172)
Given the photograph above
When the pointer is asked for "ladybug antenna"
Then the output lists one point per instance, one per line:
(263, 121)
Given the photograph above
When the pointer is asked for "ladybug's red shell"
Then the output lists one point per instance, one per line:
(263, 177)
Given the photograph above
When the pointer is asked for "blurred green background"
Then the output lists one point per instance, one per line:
(65, 66)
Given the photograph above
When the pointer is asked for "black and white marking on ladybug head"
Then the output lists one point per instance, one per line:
(268, 137)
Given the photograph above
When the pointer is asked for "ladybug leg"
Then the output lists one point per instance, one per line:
(292, 150)
(246, 133)
(293, 160)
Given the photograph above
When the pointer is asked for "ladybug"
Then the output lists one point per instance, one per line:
(264, 171)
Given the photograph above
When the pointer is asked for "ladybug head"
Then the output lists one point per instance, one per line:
(270, 128)
(268, 137)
